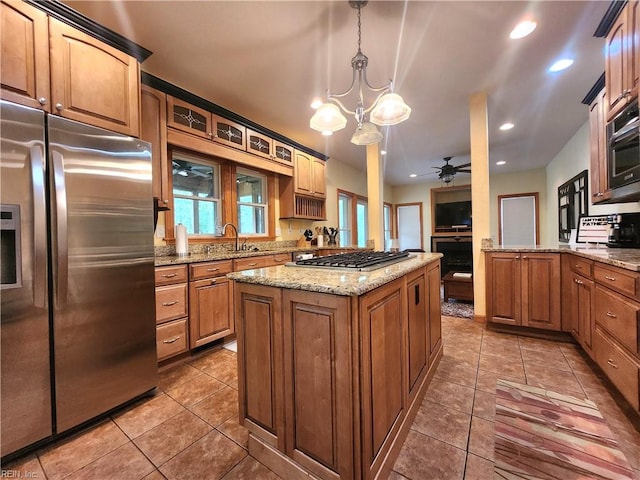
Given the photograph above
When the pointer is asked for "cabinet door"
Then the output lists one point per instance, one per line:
(108, 97)
(283, 153)
(24, 55)
(435, 319)
(318, 178)
(616, 74)
(229, 133)
(260, 384)
(633, 17)
(582, 311)
(318, 382)
(188, 118)
(210, 310)
(418, 329)
(383, 370)
(503, 288)
(153, 129)
(598, 140)
(259, 144)
(541, 290)
(303, 174)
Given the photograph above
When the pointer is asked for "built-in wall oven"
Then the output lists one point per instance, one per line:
(624, 153)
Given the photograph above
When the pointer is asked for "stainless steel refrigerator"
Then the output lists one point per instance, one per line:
(77, 282)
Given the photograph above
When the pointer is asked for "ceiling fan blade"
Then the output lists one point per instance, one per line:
(463, 170)
(464, 165)
(439, 168)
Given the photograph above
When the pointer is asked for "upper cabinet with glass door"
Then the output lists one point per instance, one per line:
(197, 121)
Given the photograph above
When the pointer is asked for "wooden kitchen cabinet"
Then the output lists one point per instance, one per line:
(153, 129)
(210, 302)
(24, 55)
(309, 175)
(50, 65)
(259, 144)
(621, 60)
(598, 149)
(172, 310)
(329, 384)
(524, 289)
(582, 310)
(283, 153)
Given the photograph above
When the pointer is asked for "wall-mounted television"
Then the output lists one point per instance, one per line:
(453, 215)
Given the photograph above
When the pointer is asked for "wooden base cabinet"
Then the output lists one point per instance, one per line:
(329, 385)
(524, 289)
(210, 302)
(172, 311)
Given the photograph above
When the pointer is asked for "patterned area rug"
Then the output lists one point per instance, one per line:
(457, 309)
(540, 434)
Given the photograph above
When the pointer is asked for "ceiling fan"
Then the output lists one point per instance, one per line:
(448, 171)
(186, 168)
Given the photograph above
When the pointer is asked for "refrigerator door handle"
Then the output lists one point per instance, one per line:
(39, 227)
(62, 258)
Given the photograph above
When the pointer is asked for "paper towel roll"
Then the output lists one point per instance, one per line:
(320, 240)
(182, 244)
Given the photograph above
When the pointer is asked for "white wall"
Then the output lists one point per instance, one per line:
(571, 160)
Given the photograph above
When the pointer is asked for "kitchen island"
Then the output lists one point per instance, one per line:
(333, 364)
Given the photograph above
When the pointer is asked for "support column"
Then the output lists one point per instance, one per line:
(479, 135)
(375, 190)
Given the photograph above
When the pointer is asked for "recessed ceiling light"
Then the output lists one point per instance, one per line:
(383, 152)
(327, 133)
(413, 175)
(523, 29)
(316, 103)
(501, 162)
(506, 126)
(561, 65)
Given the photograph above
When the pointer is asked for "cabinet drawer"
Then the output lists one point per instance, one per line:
(619, 317)
(623, 281)
(250, 263)
(278, 259)
(172, 274)
(621, 369)
(171, 339)
(581, 266)
(171, 302)
(210, 269)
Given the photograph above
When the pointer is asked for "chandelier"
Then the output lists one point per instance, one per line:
(387, 109)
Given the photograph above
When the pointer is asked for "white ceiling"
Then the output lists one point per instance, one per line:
(266, 60)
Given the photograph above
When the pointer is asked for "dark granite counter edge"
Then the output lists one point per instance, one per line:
(627, 258)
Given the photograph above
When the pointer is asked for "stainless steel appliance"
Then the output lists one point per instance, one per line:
(77, 291)
(624, 230)
(354, 261)
(623, 161)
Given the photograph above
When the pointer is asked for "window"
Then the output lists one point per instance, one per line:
(196, 194)
(251, 189)
(362, 228)
(386, 214)
(344, 218)
(352, 219)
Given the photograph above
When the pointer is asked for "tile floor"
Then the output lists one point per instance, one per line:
(189, 430)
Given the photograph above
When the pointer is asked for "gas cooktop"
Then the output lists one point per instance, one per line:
(355, 261)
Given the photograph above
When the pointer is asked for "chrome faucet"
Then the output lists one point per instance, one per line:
(224, 229)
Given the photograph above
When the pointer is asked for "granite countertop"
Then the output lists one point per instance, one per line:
(332, 281)
(627, 258)
(162, 260)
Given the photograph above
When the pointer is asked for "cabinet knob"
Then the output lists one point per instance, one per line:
(213, 281)
(210, 134)
(611, 315)
(59, 106)
(517, 257)
(524, 257)
(42, 101)
(612, 363)
(612, 279)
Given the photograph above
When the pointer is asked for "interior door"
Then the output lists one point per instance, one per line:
(409, 226)
(518, 219)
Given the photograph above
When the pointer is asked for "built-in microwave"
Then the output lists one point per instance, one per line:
(624, 153)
